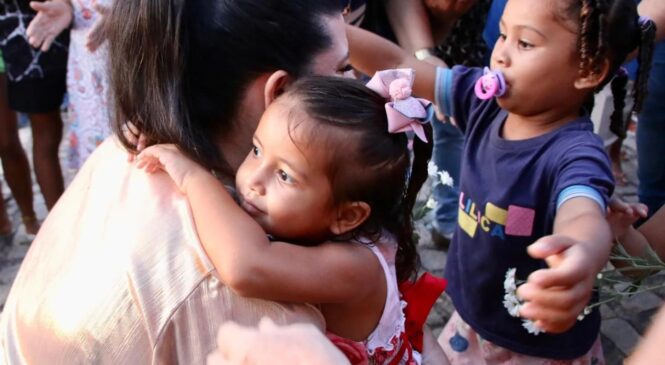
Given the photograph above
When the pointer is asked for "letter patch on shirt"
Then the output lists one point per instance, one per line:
(496, 221)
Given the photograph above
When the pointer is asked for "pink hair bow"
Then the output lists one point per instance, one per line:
(405, 113)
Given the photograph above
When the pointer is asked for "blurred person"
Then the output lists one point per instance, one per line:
(35, 85)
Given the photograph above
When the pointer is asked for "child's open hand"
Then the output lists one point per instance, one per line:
(557, 295)
(167, 157)
(622, 215)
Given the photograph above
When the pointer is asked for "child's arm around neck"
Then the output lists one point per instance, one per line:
(252, 265)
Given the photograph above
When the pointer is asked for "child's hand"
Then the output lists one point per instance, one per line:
(557, 295)
(622, 215)
(168, 158)
(134, 136)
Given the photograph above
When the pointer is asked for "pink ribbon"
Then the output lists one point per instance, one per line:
(405, 113)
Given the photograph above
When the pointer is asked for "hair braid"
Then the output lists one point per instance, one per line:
(646, 44)
(585, 31)
(618, 123)
(407, 260)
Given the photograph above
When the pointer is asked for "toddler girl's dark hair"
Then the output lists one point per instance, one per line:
(366, 162)
(609, 30)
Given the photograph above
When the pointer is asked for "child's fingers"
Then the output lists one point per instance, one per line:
(617, 205)
(641, 210)
(570, 298)
(143, 141)
(549, 246)
(548, 320)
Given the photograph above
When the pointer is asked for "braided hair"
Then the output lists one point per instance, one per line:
(609, 30)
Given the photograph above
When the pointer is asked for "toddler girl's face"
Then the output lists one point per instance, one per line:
(283, 184)
(537, 53)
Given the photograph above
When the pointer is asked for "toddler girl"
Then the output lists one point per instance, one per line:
(331, 172)
(532, 170)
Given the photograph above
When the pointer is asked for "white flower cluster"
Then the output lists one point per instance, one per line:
(513, 303)
(443, 177)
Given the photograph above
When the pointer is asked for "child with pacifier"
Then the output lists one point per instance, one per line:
(330, 173)
(535, 179)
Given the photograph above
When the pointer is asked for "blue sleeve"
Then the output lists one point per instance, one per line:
(584, 170)
(455, 95)
(581, 191)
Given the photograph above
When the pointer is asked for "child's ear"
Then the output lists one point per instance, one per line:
(349, 216)
(275, 86)
(590, 80)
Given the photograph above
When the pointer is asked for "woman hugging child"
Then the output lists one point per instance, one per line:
(535, 179)
(330, 180)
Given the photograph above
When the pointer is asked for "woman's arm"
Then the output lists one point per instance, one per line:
(370, 53)
(654, 9)
(575, 253)
(251, 264)
(653, 232)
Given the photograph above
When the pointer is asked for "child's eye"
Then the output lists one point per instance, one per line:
(502, 36)
(285, 177)
(256, 151)
(525, 44)
(346, 68)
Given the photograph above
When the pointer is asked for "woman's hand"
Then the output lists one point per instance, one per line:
(167, 157)
(52, 18)
(99, 31)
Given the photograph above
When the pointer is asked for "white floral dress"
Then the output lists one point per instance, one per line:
(87, 86)
(388, 343)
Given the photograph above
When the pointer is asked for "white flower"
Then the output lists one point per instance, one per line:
(431, 203)
(511, 303)
(432, 169)
(531, 327)
(445, 178)
(509, 284)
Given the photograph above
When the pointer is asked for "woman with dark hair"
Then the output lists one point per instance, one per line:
(117, 273)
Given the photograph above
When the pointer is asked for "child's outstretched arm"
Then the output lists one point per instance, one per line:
(252, 265)
(370, 53)
(575, 253)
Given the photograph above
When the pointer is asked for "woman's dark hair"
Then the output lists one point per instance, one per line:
(366, 162)
(179, 68)
(609, 30)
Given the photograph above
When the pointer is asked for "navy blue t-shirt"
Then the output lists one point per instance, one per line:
(508, 199)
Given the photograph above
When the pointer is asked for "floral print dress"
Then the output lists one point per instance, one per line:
(87, 86)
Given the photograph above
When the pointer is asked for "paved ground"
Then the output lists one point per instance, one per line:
(623, 322)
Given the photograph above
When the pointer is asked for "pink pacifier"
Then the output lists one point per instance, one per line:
(491, 84)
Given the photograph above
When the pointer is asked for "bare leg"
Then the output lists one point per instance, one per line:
(46, 137)
(5, 222)
(15, 162)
